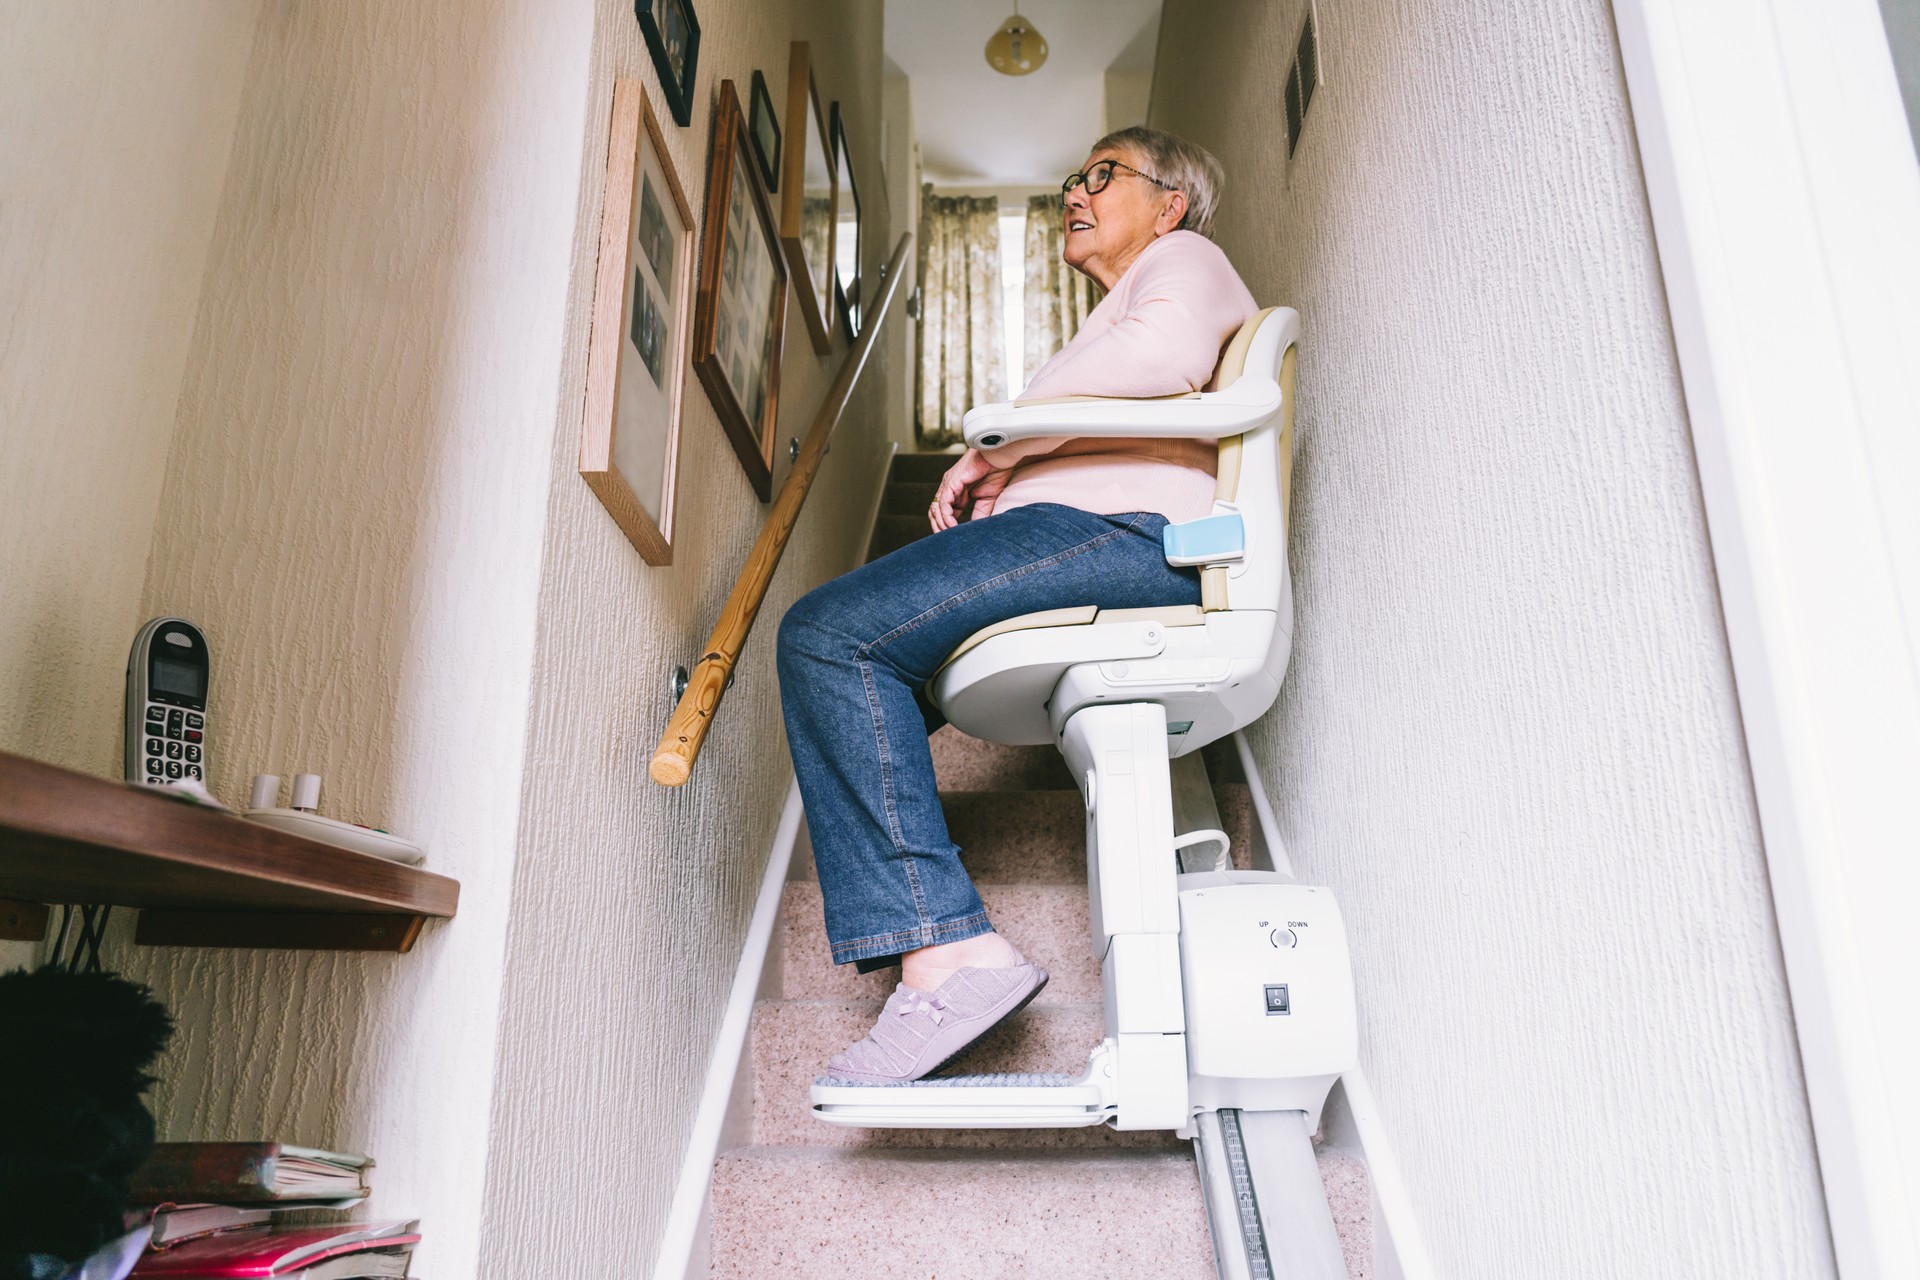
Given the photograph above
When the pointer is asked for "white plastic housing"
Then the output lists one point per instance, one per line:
(1245, 935)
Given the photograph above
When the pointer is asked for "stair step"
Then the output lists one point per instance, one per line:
(1039, 837)
(921, 467)
(803, 1212)
(908, 497)
(891, 533)
(968, 764)
(1046, 921)
(792, 1040)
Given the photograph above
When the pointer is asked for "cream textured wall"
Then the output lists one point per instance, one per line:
(355, 507)
(369, 501)
(630, 901)
(1509, 738)
(117, 123)
(1125, 101)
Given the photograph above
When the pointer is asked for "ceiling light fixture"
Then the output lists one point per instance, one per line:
(1016, 49)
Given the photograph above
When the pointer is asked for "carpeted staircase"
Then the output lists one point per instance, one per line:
(805, 1199)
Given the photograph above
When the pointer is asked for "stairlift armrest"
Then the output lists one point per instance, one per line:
(1248, 403)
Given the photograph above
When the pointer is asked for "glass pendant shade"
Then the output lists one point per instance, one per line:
(1016, 49)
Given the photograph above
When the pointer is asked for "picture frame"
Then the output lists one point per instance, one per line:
(641, 330)
(740, 307)
(806, 200)
(672, 32)
(764, 127)
(846, 231)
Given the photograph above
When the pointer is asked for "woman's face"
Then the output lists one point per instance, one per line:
(1106, 231)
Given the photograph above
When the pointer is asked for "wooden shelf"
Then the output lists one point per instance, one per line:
(200, 877)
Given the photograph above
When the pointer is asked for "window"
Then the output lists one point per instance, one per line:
(1013, 293)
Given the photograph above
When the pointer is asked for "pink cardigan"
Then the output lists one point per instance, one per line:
(1158, 333)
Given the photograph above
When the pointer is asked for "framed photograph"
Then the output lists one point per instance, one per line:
(741, 309)
(642, 309)
(765, 129)
(673, 38)
(846, 231)
(806, 200)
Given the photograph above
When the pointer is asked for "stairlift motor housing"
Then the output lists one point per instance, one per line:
(1269, 992)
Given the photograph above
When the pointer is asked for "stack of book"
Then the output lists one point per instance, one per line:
(212, 1207)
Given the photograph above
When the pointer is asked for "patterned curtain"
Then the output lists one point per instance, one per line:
(962, 336)
(1058, 297)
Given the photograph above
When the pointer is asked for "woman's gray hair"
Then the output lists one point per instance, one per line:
(1178, 163)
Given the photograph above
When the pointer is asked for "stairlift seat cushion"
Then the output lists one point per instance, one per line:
(1076, 616)
(1171, 615)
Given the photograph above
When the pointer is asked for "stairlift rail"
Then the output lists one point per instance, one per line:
(686, 731)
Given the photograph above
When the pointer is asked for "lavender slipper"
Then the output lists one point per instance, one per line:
(919, 1033)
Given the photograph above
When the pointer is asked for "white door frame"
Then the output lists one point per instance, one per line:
(1786, 205)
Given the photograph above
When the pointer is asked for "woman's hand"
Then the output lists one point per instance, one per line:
(971, 482)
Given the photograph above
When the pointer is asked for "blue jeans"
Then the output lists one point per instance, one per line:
(855, 655)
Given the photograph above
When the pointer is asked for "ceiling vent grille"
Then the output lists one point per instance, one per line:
(1301, 80)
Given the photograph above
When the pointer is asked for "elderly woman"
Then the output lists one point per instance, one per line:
(1073, 522)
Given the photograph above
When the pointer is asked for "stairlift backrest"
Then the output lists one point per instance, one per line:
(1255, 469)
(1016, 681)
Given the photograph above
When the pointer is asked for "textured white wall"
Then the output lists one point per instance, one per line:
(117, 123)
(354, 508)
(630, 901)
(1509, 738)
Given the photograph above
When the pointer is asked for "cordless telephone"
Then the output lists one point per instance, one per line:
(167, 703)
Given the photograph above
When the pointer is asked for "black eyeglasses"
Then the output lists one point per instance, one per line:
(1099, 174)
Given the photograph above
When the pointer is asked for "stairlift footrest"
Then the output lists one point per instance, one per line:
(1005, 1101)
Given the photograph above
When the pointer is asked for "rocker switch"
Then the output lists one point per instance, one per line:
(1284, 938)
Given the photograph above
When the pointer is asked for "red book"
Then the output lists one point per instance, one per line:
(343, 1249)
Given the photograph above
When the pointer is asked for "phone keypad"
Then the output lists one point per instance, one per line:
(173, 744)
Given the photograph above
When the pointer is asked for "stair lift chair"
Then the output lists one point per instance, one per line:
(1223, 988)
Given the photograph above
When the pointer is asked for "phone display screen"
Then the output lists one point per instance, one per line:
(183, 679)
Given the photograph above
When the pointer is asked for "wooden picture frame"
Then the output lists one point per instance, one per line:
(741, 307)
(672, 31)
(806, 200)
(846, 231)
(763, 125)
(642, 326)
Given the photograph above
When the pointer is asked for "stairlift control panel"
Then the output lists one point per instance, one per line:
(1269, 991)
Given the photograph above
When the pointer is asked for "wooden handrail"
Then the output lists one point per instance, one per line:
(687, 730)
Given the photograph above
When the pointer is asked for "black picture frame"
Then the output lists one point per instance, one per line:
(673, 38)
(740, 308)
(846, 212)
(763, 126)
